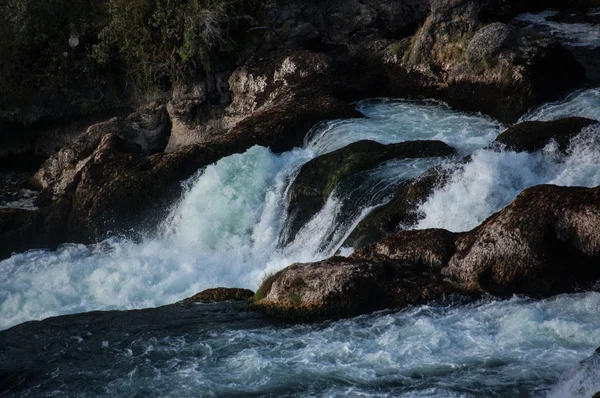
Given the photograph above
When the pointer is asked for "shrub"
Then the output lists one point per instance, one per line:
(166, 41)
(150, 43)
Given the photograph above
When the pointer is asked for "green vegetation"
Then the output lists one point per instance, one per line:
(265, 286)
(115, 44)
(163, 41)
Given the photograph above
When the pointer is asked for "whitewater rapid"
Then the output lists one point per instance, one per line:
(225, 229)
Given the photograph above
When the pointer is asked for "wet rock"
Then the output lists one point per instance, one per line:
(318, 178)
(220, 294)
(545, 242)
(284, 126)
(22, 230)
(366, 281)
(400, 213)
(430, 248)
(533, 136)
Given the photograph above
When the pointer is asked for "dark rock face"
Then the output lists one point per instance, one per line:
(489, 41)
(400, 212)
(319, 177)
(533, 136)
(220, 294)
(430, 248)
(144, 132)
(546, 242)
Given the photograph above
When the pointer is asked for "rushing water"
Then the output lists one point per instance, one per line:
(571, 34)
(225, 232)
(486, 349)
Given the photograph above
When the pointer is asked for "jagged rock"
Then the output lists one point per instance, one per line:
(533, 136)
(263, 83)
(506, 73)
(220, 294)
(400, 213)
(146, 131)
(320, 176)
(545, 242)
(284, 126)
(196, 111)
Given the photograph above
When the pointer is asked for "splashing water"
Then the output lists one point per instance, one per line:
(494, 178)
(224, 231)
(583, 103)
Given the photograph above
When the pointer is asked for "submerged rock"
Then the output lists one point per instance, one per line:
(220, 294)
(533, 136)
(319, 177)
(399, 213)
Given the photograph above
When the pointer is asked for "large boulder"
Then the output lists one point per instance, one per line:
(366, 281)
(319, 177)
(533, 135)
(492, 69)
(546, 241)
(145, 131)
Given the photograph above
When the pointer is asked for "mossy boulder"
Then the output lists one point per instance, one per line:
(533, 135)
(319, 177)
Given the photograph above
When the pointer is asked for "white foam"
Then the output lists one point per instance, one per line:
(494, 178)
(517, 347)
(388, 121)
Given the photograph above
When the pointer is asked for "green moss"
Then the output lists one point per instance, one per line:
(265, 286)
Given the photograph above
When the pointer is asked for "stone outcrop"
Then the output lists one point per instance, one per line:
(220, 294)
(144, 132)
(493, 69)
(533, 136)
(319, 177)
(545, 242)
(380, 277)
